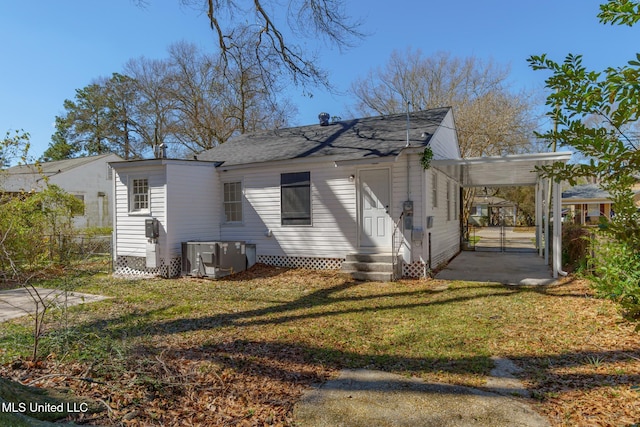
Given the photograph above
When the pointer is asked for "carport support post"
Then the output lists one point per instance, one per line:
(557, 229)
(539, 217)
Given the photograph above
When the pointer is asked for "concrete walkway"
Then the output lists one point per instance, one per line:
(507, 268)
(18, 302)
(363, 398)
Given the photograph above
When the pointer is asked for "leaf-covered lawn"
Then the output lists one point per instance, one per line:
(241, 351)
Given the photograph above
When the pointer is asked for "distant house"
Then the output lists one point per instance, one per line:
(329, 195)
(586, 204)
(88, 178)
(492, 211)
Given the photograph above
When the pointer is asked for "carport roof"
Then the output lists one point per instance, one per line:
(510, 170)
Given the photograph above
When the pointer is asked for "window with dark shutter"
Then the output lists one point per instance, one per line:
(295, 198)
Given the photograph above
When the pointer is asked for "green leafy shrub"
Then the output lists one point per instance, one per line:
(36, 228)
(616, 274)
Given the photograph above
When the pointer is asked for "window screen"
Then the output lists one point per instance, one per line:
(295, 198)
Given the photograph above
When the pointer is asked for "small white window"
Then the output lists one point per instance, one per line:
(139, 195)
(448, 201)
(456, 195)
(233, 201)
(434, 189)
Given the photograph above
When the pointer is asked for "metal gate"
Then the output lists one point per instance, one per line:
(502, 238)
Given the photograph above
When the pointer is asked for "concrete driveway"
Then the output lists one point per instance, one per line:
(18, 302)
(508, 268)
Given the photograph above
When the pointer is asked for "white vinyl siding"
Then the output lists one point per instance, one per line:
(183, 197)
(333, 232)
(194, 210)
(445, 234)
(130, 237)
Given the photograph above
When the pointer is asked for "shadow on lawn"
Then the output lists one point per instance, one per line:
(289, 311)
(305, 364)
(296, 363)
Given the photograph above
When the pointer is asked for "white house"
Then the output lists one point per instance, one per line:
(88, 178)
(328, 195)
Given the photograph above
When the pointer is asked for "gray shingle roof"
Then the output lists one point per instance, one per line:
(27, 177)
(587, 191)
(369, 137)
(50, 168)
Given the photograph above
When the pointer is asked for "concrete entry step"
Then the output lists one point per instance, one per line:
(376, 267)
(370, 257)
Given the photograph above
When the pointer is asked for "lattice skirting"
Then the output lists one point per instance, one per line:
(301, 262)
(136, 266)
(414, 270)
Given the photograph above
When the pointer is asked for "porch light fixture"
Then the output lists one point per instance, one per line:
(352, 178)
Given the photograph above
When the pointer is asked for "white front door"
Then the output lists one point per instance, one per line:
(375, 223)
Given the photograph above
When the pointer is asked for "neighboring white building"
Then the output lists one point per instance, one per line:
(88, 178)
(313, 196)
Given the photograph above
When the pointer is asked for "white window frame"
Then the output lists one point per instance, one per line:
(448, 200)
(456, 197)
(434, 189)
(132, 196)
(239, 202)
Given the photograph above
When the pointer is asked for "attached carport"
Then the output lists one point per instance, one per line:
(515, 171)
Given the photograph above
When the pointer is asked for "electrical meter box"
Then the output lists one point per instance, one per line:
(151, 228)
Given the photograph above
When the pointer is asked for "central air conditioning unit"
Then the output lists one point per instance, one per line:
(213, 259)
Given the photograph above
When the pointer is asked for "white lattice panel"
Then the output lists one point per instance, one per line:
(301, 262)
(136, 266)
(414, 270)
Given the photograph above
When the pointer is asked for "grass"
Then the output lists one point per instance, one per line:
(243, 350)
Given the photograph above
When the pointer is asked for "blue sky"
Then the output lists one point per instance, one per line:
(48, 49)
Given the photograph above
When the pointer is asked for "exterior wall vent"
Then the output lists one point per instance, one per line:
(324, 119)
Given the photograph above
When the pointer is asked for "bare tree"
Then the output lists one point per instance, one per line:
(152, 107)
(271, 38)
(210, 106)
(490, 119)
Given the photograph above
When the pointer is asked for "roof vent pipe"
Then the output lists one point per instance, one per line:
(324, 119)
(408, 122)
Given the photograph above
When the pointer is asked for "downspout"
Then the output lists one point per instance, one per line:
(409, 240)
(114, 220)
(557, 231)
(408, 160)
